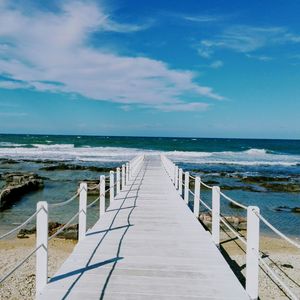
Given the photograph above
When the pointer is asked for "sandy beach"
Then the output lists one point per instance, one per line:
(21, 285)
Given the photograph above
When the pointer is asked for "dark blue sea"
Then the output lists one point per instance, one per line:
(225, 162)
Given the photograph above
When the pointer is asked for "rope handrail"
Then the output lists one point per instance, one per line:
(92, 203)
(58, 204)
(21, 225)
(276, 277)
(94, 187)
(225, 222)
(201, 201)
(18, 265)
(233, 201)
(277, 231)
(206, 185)
(64, 227)
(193, 177)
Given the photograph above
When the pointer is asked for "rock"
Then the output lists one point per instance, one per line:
(22, 236)
(277, 187)
(64, 167)
(287, 266)
(260, 179)
(17, 185)
(296, 210)
(69, 233)
(8, 161)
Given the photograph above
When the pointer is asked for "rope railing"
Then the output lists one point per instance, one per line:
(20, 226)
(63, 203)
(19, 264)
(64, 226)
(282, 235)
(252, 224)
(41, 216)
(233, 201)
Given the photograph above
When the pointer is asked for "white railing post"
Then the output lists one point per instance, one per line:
(216, 215)
(123, 177)
(118, 181)
(252, 261)
(186, 186)
(176, 177)
(111, 186)
(82, 211)
(42, 242)
(127, 173)
(197, 197)
(102, 195)
(180, 182)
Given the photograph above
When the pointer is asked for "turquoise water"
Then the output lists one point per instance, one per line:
(223, 160)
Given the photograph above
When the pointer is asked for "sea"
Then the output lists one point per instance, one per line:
(235, 164)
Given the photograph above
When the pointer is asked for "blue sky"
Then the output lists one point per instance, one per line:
(151, 68)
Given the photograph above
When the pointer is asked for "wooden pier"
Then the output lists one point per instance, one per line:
(147, 245)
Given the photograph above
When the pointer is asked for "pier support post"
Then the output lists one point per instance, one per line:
(180, 182)
(118, 181)
(82, 211)
(252, 261)
(197, 197)
(123, 177)
(176, 177)
(42, 242)
(127, 173)
(102, 195)
(186, 187)
(216, 215)
(111, 186)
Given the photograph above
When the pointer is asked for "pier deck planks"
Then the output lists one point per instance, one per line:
(148, 245)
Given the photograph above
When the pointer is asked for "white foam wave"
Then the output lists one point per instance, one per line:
(256, 152)
(9, 144)
(251, 157)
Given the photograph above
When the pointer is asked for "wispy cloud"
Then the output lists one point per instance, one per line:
(51, 51)
(191, 106)
(204, 18)
(247, 39)
(216, 64)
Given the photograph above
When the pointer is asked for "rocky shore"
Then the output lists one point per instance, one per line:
(17, 185)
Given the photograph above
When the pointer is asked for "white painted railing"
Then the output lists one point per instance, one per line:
(253, 254)
(117, 181)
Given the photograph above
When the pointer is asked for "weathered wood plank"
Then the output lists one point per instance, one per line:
(148, 245)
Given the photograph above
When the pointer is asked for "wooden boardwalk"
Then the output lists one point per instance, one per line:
(148, 245)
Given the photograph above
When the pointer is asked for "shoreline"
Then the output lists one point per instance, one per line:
(22, 283)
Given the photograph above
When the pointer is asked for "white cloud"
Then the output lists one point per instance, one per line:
(50, 51)
(203, 18)
(191, 106)
(247, 39)
(216, 64)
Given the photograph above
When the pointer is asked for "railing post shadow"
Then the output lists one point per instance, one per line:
(118, 181)
(252, 260)
(180, 182)
(186, 186)
(102, 195)
(197, 197)
(82, 211)
(176, 177)
(127, 173)
(111, 186)
(216, 215)
(123, 177)
(41, 242)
